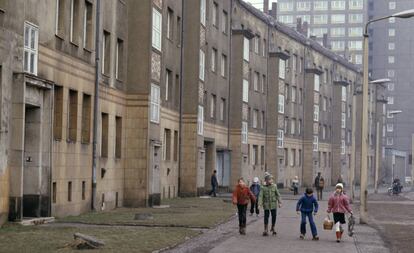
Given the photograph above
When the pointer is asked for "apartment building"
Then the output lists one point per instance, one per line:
(341, 20)
(225, 88)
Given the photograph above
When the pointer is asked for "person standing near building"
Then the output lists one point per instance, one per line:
(214, 184)
(307, 206)
(255, 189)
(269, 198)
(295, 185)
(319, 185)
(338, 204)
(241, 197)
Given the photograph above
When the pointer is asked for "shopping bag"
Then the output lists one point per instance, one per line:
(328, 223)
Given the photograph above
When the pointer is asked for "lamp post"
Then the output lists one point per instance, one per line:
(364, 133)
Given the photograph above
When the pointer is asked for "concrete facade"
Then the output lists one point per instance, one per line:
(238, 93)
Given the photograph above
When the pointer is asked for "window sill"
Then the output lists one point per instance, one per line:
(58, 36)
(87, 50)
(74, 44)
(70, 141)
(85, 143)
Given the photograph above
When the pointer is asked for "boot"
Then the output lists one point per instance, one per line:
(273, 230)
(243, 229)
(266, 231)
(338, 236)
(240, 229)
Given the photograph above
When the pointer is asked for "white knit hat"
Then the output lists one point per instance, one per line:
(256, 179)
(339, 185)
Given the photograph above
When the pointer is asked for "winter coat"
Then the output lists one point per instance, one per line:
(307, 204)
(242, 195)
(214, 181)
(339, 203)
(269, 197)
(255, 188)
(319, 182)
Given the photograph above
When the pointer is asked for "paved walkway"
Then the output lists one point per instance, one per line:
(287, 239)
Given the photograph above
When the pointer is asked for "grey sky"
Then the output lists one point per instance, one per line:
(259, 3)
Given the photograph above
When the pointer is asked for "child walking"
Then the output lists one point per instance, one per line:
(241, 197)
(338, 204)
(308, 205)
(255, 189)
(269, 198)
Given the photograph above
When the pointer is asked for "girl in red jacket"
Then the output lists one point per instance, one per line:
(241, 197)
(338, 204)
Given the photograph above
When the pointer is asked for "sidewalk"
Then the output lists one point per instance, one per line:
(287, 239)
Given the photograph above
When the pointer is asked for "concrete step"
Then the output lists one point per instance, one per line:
(36, 221)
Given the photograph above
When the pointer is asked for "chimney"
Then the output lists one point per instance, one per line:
(325, 40)
(266, 6)
(305, 28)
(273, 12)
(299, 25)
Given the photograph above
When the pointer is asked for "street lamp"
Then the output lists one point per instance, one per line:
(364, 146)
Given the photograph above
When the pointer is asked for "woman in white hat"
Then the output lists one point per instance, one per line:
(338, 204)
(255, 189)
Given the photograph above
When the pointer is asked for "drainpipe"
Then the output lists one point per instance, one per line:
(180, 138)
(302, 128)
(229, 84)
(52, 117)
(267, 91)
(95, 104)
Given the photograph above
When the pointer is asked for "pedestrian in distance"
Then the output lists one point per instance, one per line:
(255, 189)
(269, 199)
(241, 197)
(338, 204)
(319, 185)
(214, 184)
(308, 206)
(295, 185)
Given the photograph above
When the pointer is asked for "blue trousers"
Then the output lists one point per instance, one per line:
(311, 222)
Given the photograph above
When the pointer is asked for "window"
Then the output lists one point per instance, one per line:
(256, 81)
(58, 112)
(391, 20)
(31, 37)
(155, 103)
(222, 108)
(244, 134)
(262, 120)
(315, 144)
(293, 94)
(167, 145)
(178, 31)
(119, 59)
(223, 65)
(245, 91)
(263, 84)
(280, 136)
(299, 157)
(292, 126)
(348, 136)
(262, 155)
(304, 18)
(320, 5)
(200, 120)
(319, 32)
(391, 59)
(69, 191)
(324, 132)
(60, 17)
(170, 23)
(168, 83)
(256, 44)
(300, 96)
(391, 73)
(316, 83)
(246, 49)
(343, 120)
(338, 19)
(224, 24)
(86, 118)
(358, 59)
(355, 32)
(215, 18)
(391, 5)
(264, 48)
(391, 46)
(324, 103)
(83, 190)
(281, 104)
(320, 19)
(355, 45)
(72, 116)
(338, 45)
(213, 106)
(299, 127)
(202, 65)
(287, 19)
(255, 155)
(338, 5)
(287, 92)
(282, 69)
(203, 12)
(106, 52)
(390, 115)
(316, 113)
(286, 6)
(255, 118)
(356, 4)
(349, 111)
(303, 6)
(156, 29)
(391, 32)
(390, 86)
(87, 26)
(292, 157)
(118, 137)
(390, 141)
(104, 134)
(337, 32)
(342, 147)
(356, 18)
(286, 125)
(213, 59)
(176, 147)
(74, 21)
(390, 128)
(343, 94)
